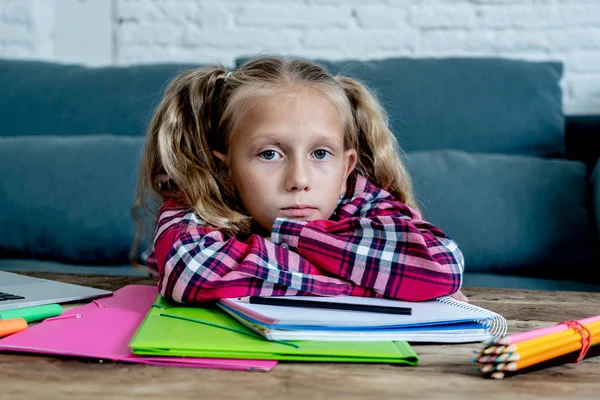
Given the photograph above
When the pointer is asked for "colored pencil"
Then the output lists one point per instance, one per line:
(555, 362)
(549, 341)
(546, 350)
(497, 375)
(536, 349)
(548, 355)
(521, 336)
(537, 341)
(574, 338)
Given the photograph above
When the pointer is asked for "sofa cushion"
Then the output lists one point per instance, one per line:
(509, 214)
(41, 98)
(68, 198)
(31, 265)
(486, 105)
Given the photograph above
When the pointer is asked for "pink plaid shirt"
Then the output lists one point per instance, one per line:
(373, 245)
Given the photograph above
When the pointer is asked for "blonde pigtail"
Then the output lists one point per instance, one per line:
(378, 150)
(177, 162)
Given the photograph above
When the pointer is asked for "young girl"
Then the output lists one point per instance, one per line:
(280, 179)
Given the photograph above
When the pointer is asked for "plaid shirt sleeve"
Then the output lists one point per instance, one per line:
(378, 243)
(195, 263)
(373, 245)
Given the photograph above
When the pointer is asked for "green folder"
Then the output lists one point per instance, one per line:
(170, 329)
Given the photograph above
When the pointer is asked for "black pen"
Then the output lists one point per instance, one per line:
(291, 302)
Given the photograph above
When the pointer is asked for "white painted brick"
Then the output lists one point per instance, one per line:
(380, 17)
(158, 34)
(198, 31)
(446, 42)
(584, 95)
(213, 15)
(351, 2)
(15, 11)
(137, 11)
(91, 20)
(157, 11)
(153, 54)
(585, 86)
(15, 33)
(518, 41)
(584, 62)
(294, 16)
(321, 54)
(16, 50)
(255, 39)
(437, 16)
(586, 38)
(483, 42)
(528, 17)
(43, 28)
(576, 106)
(358, 42)
(504, 2)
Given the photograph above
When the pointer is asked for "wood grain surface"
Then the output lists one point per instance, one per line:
(444, 371)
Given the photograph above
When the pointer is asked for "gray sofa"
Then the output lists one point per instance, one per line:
(494, 161)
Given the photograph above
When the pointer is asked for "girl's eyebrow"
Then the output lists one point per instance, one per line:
(270, 137)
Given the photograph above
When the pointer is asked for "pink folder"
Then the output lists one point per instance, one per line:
(102, 330)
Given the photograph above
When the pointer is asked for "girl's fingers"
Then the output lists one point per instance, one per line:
(460, 297)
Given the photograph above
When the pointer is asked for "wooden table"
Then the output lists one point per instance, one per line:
(445, 371)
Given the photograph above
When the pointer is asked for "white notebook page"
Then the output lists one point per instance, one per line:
(429, 312)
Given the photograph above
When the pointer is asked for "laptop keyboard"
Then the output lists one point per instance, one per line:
(9, 296)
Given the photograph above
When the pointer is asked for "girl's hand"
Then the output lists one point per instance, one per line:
(460, 297)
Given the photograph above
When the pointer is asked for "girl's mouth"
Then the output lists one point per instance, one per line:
(299, 212)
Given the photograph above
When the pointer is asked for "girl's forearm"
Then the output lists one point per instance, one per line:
(387, 254)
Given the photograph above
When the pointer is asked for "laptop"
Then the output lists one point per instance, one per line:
(17, 291)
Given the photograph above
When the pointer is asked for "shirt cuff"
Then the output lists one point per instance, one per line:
(287, 231)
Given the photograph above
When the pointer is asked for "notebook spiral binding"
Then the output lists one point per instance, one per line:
(496, 325)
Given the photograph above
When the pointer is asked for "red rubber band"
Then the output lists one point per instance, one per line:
(586, 337)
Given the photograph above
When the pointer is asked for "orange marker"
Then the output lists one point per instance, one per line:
(10, 326)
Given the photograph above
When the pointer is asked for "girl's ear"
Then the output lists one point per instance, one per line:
(350, 159)
(220, 156)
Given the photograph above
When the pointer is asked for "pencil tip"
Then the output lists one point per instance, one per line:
(497, 375)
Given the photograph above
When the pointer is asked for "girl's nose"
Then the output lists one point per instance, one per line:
(297, 177)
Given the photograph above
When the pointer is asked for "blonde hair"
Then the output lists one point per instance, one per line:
(200, 110)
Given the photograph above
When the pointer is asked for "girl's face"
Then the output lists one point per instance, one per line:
(287, 158)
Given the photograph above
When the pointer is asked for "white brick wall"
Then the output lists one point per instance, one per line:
(105, 32)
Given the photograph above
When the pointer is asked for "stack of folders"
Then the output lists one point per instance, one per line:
(102, 329)
(173, 330)
(570, 341)
(443, 320)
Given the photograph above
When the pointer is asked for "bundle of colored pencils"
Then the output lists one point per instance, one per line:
(569, 341)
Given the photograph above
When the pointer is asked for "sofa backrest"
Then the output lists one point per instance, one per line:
(480, 105)
(485, 105)
(41, 98)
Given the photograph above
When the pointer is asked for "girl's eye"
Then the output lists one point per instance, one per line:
(269, 155)
(321, 154)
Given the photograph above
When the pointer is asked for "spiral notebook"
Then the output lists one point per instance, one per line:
(443, 320)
